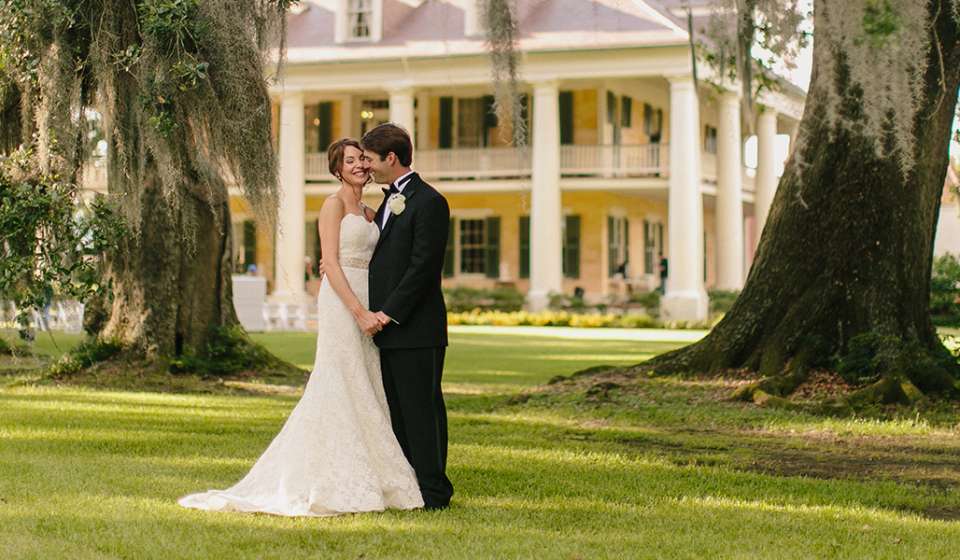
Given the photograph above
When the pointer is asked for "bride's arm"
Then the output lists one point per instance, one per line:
(331, 215)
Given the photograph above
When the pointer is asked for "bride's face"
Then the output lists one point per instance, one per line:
(355, 169)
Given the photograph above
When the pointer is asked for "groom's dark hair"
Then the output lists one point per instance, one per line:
(386, 138)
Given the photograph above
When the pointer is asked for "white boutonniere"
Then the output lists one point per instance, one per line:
(397, 203)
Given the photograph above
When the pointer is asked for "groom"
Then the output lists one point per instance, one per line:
(405, 273)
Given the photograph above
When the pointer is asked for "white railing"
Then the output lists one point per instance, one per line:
(315, 167)
(502, 163)
(66, 315)
(469, 163)
(611, 160)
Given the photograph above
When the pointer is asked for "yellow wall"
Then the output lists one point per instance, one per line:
(585, 117)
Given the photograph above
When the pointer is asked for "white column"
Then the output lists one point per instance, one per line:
(401, 108)
(729, 195)
(422, 138)
(290, 248)
(686, 299)
(546, 267)
(766, 181)
(346, 117)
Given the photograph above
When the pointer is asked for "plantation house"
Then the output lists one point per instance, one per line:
(627, 157)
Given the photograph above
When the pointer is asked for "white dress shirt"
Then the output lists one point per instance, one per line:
(400, 183)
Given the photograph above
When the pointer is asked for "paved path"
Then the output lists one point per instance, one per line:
(643, 335)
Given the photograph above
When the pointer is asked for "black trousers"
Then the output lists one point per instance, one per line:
(411, 380)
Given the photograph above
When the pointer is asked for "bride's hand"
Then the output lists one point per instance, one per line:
(368, 322)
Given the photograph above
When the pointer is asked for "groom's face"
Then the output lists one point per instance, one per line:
(382, 169)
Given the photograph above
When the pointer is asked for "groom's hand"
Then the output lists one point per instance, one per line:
(383, 318)
(369, 323)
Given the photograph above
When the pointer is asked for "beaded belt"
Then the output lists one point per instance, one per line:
(354, 262)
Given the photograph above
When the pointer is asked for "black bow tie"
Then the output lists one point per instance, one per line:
(391, 190)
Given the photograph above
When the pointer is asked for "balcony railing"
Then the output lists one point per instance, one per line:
(615, 161)
(503, 163)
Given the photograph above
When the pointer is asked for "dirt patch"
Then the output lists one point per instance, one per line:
(911, 461)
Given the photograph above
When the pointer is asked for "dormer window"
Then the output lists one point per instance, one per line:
(359, 18)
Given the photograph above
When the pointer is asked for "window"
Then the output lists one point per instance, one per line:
(652, 123)
(652, 245)
(710, 140)
(445, 124)
(618, 244)
(470, 122)
(319, 126)
(359, 18)
(571, 247)
(479, 246)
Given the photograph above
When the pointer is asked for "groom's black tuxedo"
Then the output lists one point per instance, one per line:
(407, 266)
(405, 275)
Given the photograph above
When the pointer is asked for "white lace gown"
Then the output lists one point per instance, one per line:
(336, 453)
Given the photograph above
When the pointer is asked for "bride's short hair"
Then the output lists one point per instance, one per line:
(335, 154)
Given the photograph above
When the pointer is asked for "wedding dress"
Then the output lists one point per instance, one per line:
(336, 453)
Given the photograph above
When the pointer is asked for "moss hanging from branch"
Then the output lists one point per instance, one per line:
(501, 32)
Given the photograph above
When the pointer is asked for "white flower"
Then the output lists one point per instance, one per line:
(397, 203)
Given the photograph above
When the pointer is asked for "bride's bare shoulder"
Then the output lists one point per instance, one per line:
(333, 208)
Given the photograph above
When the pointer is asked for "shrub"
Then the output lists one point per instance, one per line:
(551, 319)
(85, 355)
(649, 300)
(228, 351)
(945, 290)
(722, 300)
(463, 299)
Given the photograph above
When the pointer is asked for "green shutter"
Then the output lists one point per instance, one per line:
(571, 247)
(448, 255)
(626, 112)
(566, 117)
(611, 246)
(325, 128)
(647, 247)
(446, 122)
(492, 268)
(626, 240)
(524, 246)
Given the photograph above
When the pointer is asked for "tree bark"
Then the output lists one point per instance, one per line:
(848, 246)
(171, 281)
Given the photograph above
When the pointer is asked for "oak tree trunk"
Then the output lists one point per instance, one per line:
(848, 245)
(171, 281)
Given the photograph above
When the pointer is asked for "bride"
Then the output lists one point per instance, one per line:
(337, 452)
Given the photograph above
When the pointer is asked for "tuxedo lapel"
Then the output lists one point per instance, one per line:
(409, 190)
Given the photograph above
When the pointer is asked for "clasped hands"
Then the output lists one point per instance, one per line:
(371, 323)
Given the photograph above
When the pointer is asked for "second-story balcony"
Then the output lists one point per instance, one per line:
(641, 160)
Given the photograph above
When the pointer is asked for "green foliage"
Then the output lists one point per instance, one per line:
(84, 355)
(559, 318)
(649, 300)
(466, 299)
(880, 22)
(51, 244)
(8, 348)
(228, 351)
(945, 290)
(721, 301)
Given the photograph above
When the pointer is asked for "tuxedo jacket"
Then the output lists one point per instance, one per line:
(407, 267)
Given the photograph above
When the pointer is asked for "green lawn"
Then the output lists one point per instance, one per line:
(665, 471)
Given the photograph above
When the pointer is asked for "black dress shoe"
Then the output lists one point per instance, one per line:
(435, 507)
